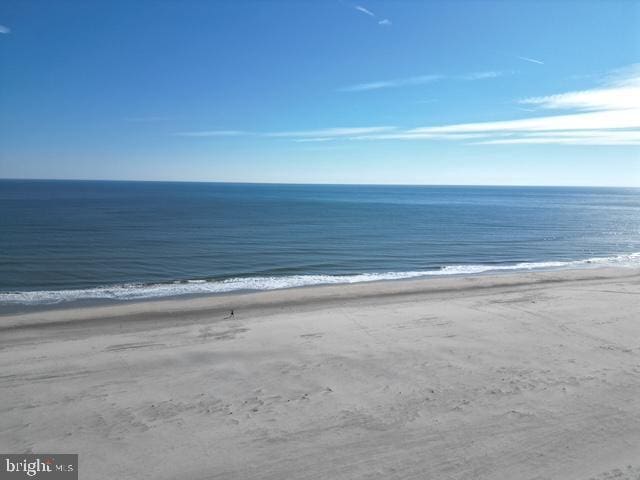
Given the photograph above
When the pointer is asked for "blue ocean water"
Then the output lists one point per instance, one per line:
(69, 240)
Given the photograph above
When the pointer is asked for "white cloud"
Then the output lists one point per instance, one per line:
(4, 29)
(385, 22)
(606, 115)
(579, 121)
(298, 135)
(481, 75)
(622, 94)
(621, 77)
(314, 139)
(413, 135)
(532, 60)
(330, 132)
(418, 80)
(398, 82)
(583, 137)
(613, 107)
(364, 10)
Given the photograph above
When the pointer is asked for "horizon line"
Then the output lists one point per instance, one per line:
(312, 184)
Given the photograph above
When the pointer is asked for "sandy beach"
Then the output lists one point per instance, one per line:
(521, 376)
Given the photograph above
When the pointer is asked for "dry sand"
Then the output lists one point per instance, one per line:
(525, 376)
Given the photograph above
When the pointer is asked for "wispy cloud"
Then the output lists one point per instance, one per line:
(583, 137)
(398, 82)
(385, 22)
(418, 80)
(364, 10)
(620, 93)
(314, 139)
(608, 119)
(531, 60)
(4, 29)
(608, 115)
(417, 135)
(481, 75)
(212, 133)
(330, 132)
(605, 115)
(298, 135)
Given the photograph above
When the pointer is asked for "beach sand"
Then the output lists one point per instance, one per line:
(522, 376)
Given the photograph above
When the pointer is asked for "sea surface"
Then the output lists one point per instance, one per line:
(73, 240)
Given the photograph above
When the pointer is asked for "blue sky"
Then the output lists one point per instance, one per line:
(452, 92)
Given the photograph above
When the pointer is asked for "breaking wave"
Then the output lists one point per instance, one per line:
(195, 287)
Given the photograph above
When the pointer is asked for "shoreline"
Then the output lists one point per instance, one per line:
(486, 377)
(68, 312)
(15, 302)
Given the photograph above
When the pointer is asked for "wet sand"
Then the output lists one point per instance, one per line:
(522, 376)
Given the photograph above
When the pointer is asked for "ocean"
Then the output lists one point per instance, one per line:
(65, 241)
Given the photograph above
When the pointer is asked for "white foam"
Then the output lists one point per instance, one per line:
(191, 287)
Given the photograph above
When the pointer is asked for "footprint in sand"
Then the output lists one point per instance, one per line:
(312, 336)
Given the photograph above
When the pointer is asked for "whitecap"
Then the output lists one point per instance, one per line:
(199, 286)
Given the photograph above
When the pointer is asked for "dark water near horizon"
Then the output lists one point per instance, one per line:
(139, 238)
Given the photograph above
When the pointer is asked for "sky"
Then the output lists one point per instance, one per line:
(324, 91)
